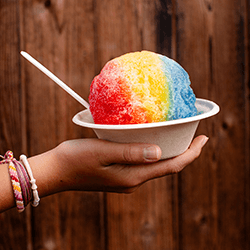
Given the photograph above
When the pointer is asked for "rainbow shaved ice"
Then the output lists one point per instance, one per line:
(141, 87)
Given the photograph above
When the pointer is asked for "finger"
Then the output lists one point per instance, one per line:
(176, 164)
(130, 153)
(192, 153)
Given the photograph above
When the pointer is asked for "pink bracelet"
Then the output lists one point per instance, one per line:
(8, 158)
(24, 182)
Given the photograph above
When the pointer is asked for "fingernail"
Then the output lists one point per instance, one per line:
(152, 153)
(204, 141)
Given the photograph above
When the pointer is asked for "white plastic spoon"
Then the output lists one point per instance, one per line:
(55, 79)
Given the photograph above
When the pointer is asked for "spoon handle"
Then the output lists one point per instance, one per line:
(55, 79)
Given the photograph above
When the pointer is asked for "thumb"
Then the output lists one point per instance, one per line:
(131, 153)
(176, 164)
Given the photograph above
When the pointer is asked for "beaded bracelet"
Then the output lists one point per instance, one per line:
(8, 158)
(36, 198)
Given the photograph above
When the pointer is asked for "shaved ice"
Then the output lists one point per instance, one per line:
(141, 87)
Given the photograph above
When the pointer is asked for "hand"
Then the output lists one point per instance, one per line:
(97, 165)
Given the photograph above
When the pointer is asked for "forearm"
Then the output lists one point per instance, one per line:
(46, 171)
(7, 199)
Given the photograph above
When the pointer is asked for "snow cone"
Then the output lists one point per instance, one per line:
(141, 87)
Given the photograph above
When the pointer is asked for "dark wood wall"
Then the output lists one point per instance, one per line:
(206, 206)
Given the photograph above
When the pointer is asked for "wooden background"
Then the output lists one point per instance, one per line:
(206, 206)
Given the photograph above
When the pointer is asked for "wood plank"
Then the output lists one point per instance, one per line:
(142, 220)
(211, 48)
(145, 219)
(247, 120)
(60, 34)
(121, 28)
(14, 232)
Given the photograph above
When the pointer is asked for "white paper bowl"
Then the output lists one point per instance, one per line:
(173, 137)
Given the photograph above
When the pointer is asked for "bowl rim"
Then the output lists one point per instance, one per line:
(214, 109)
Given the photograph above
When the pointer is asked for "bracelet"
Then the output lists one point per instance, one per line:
(8, 158)
(36, 198)
(21, 177)
(24, 182)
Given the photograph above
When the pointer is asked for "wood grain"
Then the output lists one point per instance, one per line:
(213, 191)
(207, 206)
(53, 32)
(13, 227)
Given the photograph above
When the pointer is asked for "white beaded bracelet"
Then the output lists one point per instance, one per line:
(26, 164)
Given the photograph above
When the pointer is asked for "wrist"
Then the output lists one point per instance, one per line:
(48, 173)
(67, 165)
